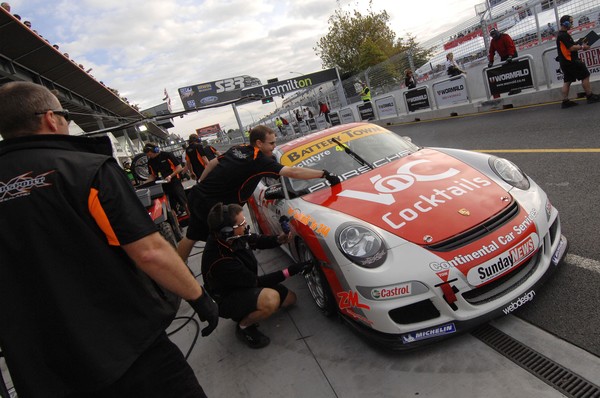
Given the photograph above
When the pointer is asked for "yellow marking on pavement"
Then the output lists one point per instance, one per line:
(549, 150)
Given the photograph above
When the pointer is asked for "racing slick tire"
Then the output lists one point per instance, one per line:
(139, 167)
(167, 232)
(317, 283)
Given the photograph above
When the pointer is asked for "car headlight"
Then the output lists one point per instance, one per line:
(509, 172)
(361, 245)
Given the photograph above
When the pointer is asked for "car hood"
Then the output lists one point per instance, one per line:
(425, 198)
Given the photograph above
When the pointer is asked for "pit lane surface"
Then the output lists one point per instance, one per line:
(560, 150)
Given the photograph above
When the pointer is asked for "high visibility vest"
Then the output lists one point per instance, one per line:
(365, 94)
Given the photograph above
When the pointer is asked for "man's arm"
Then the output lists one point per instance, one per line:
(159, 260)
(302, 173)
(209, 167)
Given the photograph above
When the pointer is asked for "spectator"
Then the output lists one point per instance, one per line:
(409, 79)
(502, 44)
(451, 67)
(232, 178)
(6, 6)
(86, 320)
(27, 23)
(324, 110)
(166, 166)
(230, 272)
(365, 94)
(298, 116)
(572, 67)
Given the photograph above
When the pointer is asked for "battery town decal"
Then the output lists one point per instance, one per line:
(22, 185)
(429, 333)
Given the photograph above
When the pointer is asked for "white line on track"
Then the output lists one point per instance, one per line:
(583, 262)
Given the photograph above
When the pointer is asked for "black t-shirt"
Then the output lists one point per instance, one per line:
(564, 41)
(164, 164)
(210, 152)
(193, 155)
(237, 174)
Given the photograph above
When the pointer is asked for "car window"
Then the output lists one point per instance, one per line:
(376, 149)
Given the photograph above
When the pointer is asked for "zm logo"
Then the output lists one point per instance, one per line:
(349, 300)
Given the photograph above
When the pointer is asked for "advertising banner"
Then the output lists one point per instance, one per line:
(312, 124)
(366, 111)
(516, 75)
(212, 93)
(208, 130)
(386, 107)
(417, 99)
(335, 118)
(451, 92)
(297, 83)
(347, 116)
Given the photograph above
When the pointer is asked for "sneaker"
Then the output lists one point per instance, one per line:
(593, 98)
(568, 104)
(252, 336)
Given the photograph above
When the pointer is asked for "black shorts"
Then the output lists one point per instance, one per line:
(573, 71)
(199, 208)
(176, 193)
(239, 303)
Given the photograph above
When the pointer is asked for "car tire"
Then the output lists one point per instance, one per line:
(139, 167)
(317, 283)
(167, 232)
(177, 233)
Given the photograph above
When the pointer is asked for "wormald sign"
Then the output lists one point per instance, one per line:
(417, 99)
(516, 75)
(451, 92)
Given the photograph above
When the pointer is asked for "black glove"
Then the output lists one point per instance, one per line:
(207, 310)
(509, 60)
(490, 64)
(284, 221)
(331, 178)
(299, 267)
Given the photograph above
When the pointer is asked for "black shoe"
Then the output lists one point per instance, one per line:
(593, 98)
(568, 104)
(252, 336)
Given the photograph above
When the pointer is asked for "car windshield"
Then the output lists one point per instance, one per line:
(362, 147)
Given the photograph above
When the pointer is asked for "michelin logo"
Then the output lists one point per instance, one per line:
(429, 333)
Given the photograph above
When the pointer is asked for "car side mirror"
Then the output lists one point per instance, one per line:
(274, 192)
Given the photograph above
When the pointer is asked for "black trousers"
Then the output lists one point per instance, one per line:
(160, 372)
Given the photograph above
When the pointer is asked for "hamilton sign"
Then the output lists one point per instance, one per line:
(289, 85)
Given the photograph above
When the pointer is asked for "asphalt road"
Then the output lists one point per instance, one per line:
(560, 150)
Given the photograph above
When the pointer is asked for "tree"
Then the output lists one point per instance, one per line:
(355, 42)
(353, 38)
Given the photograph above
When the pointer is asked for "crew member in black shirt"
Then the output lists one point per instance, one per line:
(195, 157)
(572, 67)
(166, 166)
(232, 178)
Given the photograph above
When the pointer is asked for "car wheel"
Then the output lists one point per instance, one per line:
(139, 167)
(167, 232)
(177, 233)
(317, 283)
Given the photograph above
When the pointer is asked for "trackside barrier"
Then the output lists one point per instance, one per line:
(451, 91)
(417, 98)
(552, 72)
(386, 107)
(510, 76)
(347, 115)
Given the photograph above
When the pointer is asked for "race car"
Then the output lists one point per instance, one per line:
(415, 244)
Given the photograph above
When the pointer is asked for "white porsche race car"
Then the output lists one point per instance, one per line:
(415, 244)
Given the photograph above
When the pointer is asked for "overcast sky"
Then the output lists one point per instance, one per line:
(143, 47)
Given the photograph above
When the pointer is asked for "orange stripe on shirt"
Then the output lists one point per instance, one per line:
(565, 51)
(97, 211)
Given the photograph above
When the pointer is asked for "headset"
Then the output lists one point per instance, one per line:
(226, 230)
(567, 23)
(151, 148)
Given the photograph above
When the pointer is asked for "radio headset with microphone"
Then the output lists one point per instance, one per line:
(226, 231)
(151, 148)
